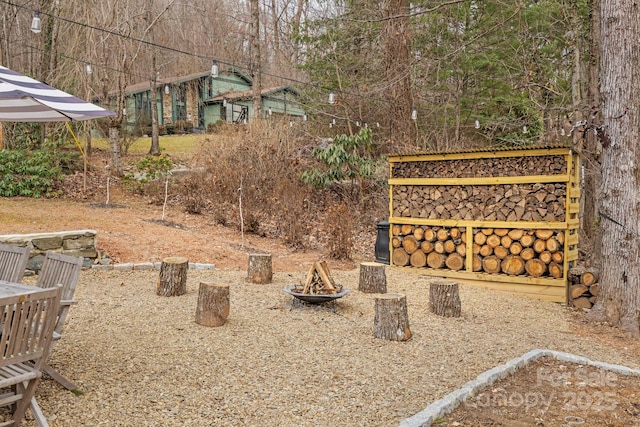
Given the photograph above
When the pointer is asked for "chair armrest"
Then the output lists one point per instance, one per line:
(68, 302)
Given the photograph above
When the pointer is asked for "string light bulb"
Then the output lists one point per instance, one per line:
(414, 114)
(88, 68)
(36, 22)
(477, 124)
(167, 89)
(214, 69)
(332, 97)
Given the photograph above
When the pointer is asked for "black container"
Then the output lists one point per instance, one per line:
(382, 243)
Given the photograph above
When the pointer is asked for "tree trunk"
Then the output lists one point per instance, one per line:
(259, 269)
(444, 299)
(213, 304)
(116, 155)
(257, 62)
(619, 136)
(373, 278)
(391, 321)
(173, 277)
(154, 150)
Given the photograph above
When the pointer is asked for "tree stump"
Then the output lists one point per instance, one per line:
(259, 270)
(373, 278)
(391, 319)
(173, 277)
(213, 304)
(445, 299)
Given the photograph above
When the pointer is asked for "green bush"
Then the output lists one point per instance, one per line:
(148, 169)
(29, 173)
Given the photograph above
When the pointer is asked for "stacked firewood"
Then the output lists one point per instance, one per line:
(508, 202)
(319, 281)
(482, 167)
(584, 288)
(534, 253)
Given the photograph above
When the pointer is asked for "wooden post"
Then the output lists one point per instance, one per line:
(445, 299)
(259, 270)
(213, 304)
(373, 278)
(391, 319)
(173, 277)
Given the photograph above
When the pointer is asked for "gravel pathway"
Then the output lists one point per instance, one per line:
(141, 360)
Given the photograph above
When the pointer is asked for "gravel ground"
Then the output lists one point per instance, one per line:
(141, 360)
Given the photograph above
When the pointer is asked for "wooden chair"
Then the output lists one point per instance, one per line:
(13, 262)
(58, 269)
(26, 329)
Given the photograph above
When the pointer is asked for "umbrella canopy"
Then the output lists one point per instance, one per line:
(23, 99)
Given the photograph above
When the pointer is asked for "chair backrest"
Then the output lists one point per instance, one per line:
(13, 262)
(58, 269)
(27, 322)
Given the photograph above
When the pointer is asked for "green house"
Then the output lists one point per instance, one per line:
(197, 100)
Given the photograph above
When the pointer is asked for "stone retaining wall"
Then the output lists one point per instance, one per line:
(79, 243)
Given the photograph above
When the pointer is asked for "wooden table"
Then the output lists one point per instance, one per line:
(8, 289)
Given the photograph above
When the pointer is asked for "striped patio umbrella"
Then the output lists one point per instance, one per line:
(23, 99)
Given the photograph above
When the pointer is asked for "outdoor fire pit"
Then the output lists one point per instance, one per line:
(319, 287)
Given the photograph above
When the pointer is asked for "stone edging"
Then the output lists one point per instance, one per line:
(147, 266)
(447, 404)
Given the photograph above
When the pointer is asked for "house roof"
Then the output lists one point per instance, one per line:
(144, 86)
(248, 94)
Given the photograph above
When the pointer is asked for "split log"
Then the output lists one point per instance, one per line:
(560, 237)
(501, 232)
(173, 277)
(461, 249)
(491, 264)
(527, 254)
(373, 278)
(455, 233)
(557, 257)
(400, 257)
(476, 263)
(463, 237)
(442, 234)
(435, 260)
(595, 289)
(535, 267)
(555, 270)
(593, 299)
(396, 241)
(391, 320)
(429, 235)
(515, 248)
(545, 256)
(426, 247)
(418, 233)
(526, 240)
(444, 299)
(493, 240)
(485, 250)
(589, 277)
(544, 234)
(213, 304)
(406, 229)
(487, 231)
(409, 244)
(576, 291)
(449, 246)
(512, 265)
(582, 302)
(395, 229)
(506, 241)
(259, 269)
(454, 261)
(438, 247)
(552, 245)
(539, 245)
(418, 259)
(480, 238)
(501, 252)
(516, 234)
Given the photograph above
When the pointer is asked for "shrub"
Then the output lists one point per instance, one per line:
(148, 169)
(29, 173)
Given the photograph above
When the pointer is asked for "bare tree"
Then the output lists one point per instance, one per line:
(619, 135)
(256, 60)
